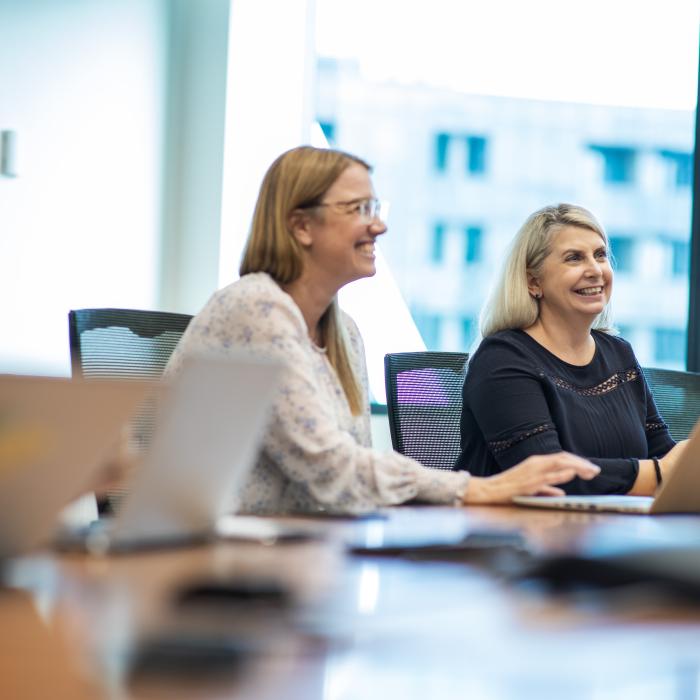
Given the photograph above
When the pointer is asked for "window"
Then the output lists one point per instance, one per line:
(680, 258)
(618, 163)
(476, 155)
(626, 331)
(328, 129)
(429, 326)
(438, 242)
(472, 253)
(622, 249)
(470, 330)
(669, 346)
(442, 143)
(585, 128)
(474, 148)
(681, 167)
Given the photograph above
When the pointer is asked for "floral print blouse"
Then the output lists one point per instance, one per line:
(315, 455)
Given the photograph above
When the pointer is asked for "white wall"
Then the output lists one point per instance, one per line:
(82, 84)
(119, 110)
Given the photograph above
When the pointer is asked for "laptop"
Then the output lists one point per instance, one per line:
(55, 435)
(208, 429)
(679, 492)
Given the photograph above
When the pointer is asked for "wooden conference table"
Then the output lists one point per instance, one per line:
(305, 619)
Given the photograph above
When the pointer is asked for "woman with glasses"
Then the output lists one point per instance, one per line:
(314, 230)
(550, 374)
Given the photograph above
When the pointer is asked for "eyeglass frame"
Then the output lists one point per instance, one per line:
(378, 205)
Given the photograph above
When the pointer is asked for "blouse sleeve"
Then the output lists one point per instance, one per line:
(303, 439)
(511, 410)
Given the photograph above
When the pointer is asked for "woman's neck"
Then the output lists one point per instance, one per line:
(570, 342)
(313, 300)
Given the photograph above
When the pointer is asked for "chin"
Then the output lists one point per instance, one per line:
(369, 271)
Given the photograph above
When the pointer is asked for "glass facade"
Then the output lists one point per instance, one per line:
(464, 165)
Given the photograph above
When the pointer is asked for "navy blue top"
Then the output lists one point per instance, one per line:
(521, 400)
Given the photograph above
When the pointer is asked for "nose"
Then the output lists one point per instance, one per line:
(594, 268)
(377, 227)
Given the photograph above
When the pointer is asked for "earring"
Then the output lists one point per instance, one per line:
(537, 295)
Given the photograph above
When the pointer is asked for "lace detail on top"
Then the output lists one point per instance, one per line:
(605, 387)
(498, 446)
(651, 427)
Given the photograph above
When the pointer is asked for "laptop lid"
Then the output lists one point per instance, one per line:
(207, 436)
(55, 434)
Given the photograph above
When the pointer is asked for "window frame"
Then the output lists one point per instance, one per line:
(693, 329)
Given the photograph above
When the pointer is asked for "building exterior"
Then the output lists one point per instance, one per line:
(462, 172)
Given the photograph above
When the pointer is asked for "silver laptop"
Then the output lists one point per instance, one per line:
(55, 435)
(208, 430)
(679, 493)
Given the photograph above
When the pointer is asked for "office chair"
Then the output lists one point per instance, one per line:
(677, 396)
(124, 344)
(424, 402)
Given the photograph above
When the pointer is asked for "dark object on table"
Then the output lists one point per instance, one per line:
(218, 592)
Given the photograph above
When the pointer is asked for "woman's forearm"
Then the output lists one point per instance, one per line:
(645, 484)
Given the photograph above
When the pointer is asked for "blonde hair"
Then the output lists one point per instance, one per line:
(299, 179)
(510, 305)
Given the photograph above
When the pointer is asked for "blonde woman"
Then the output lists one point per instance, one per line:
(549, 374)
(314, 230)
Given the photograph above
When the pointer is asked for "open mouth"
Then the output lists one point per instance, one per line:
(366, 249)
(589, 291)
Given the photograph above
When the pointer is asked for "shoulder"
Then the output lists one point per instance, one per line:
(254, 298)
(252, 314)
(503, 345)
(505, 355)
(613, 346)
(256, 291)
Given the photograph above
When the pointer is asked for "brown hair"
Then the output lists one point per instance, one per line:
(299, 179)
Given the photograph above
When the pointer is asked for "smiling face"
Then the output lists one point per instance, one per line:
(575, 281)
(337, 240)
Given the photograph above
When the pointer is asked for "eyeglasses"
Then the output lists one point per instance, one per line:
(368, 210)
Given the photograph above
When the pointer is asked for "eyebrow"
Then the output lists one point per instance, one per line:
(578, 250)
(357, 199)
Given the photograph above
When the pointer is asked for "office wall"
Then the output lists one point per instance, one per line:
(82, 84)
(118, 107)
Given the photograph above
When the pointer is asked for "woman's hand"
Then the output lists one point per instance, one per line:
(535, 475)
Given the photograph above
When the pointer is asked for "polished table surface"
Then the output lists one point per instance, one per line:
(350, 626)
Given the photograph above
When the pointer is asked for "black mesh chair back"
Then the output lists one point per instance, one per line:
(677, 396)
(424, 402)
(124, 344)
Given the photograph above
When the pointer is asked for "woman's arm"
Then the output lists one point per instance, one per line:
(303, 439)
(535, 476)
(660, 444)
